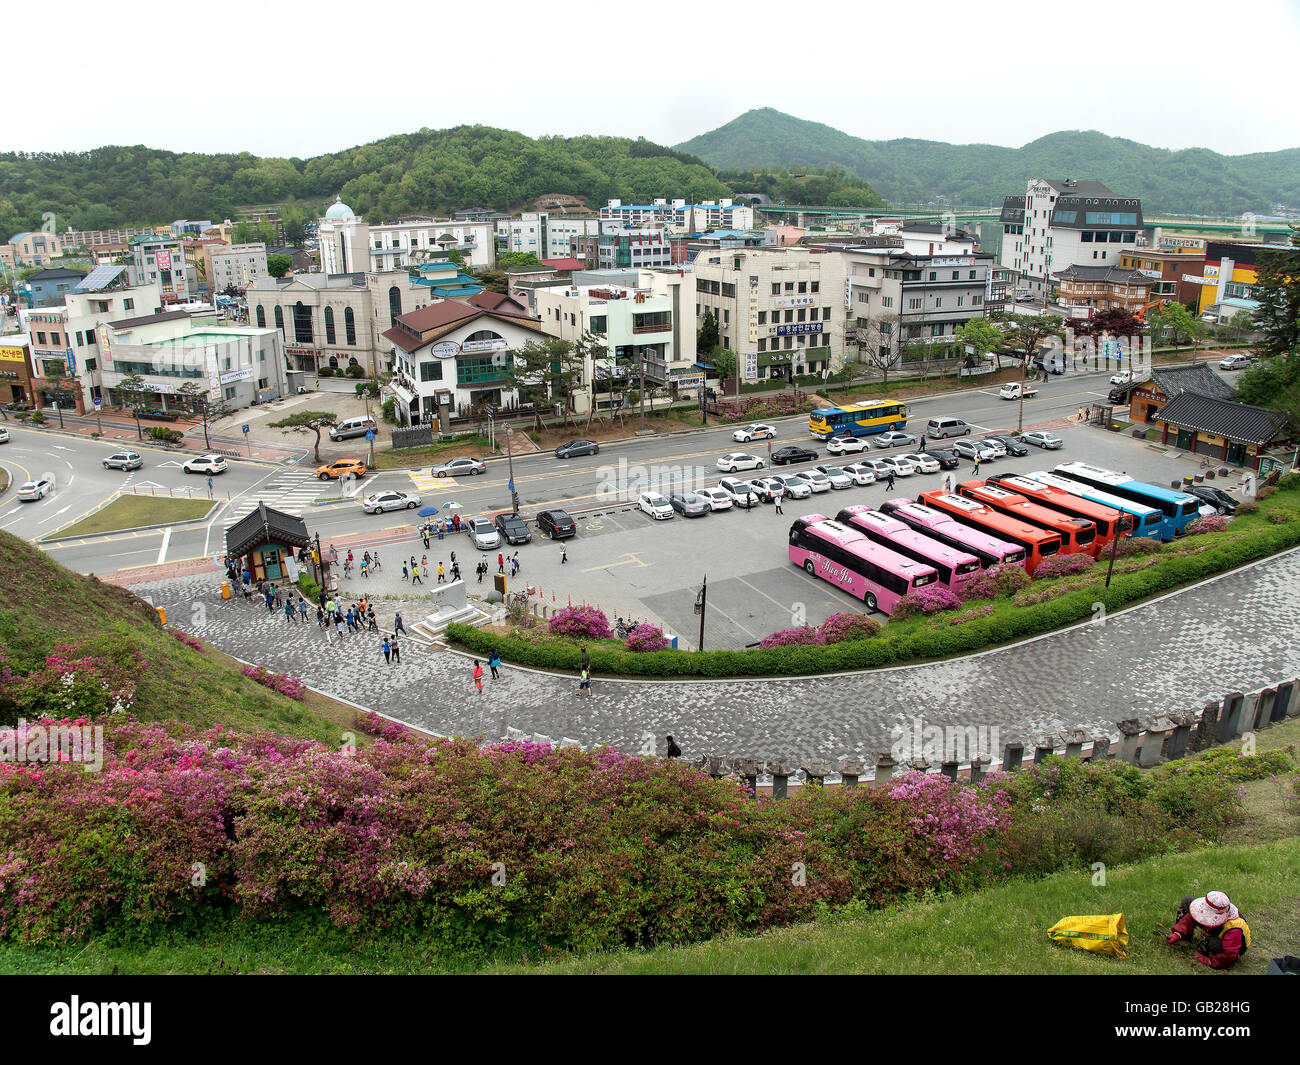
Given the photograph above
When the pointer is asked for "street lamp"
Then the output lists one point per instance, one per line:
(701, 605)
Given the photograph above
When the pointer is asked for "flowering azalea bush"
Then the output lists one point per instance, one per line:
(971, 613)
(1136, 545)
(930, 599)
(581, 622)
(1063, 566)
(377, 725)
(840, 627)
(186, 639)
(645, 637)
(802, 634)
(1208, 524)
(995, 582)
(280, 682)
(72, 681)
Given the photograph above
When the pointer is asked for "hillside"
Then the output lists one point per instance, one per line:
(1195, 180)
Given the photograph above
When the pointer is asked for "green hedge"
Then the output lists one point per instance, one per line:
(1006, 623)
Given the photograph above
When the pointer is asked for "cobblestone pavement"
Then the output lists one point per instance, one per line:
(1237, 631)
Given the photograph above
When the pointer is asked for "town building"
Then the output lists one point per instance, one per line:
(1162, 383)
(264, 542)
(15, 370)
(1166, 267)
(546, 234)
(233, 265)
(1236, 434)
(678, 215)
(633, 249)
(1230, 272)
(161, 261)
(35, 248)
(413, 241)
(103, 296)
(344, 241)
(1061, 223)
(1085, 290)
(93, 240)
(49, 288)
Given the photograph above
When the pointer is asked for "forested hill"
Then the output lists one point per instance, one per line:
(1192, 181)
(432, 170)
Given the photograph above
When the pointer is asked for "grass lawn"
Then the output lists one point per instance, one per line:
(4, 479)
(404, 458)
(129, 512)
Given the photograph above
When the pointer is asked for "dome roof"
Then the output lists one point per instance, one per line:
(339, 210)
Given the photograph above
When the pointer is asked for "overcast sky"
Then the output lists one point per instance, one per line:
(300, 79)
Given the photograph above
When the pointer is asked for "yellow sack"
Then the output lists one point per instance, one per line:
(1101, 934)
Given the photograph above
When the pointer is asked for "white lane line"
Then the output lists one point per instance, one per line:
(166, 541)
(58, 512)
(60, 447)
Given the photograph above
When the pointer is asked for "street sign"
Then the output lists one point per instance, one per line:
(245, 430)
(96, 401)
(370, 434)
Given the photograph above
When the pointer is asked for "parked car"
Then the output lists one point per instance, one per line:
(845, 445)
(719, 498)
(655, 505)
(998, 449)
(1216, 497)
(839, 477)
(464, 466)
(334, 470)
(483, 534)
(1120, 396)
(946, 459)
(900, 465)
(895, 440)
(863, 473)
(739, 460)
(577, 447)
(381, 501)
(1010, 444)
(795, 487)
(31, 491)
(1041, 439)
(513, 528)
(208, 464)
(972, 449)
(792, 454)
(123, 460)
(879, 467)
(556, 524)
(1124, 377)
(922, 462)
(689, 504)
(815, 479)
(742, 493)
(757, 431)
(1236, 362)
(4, 435)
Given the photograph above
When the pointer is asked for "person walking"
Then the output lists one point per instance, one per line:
(455, 571)
(372, 623)
(494, 663)
(673, 750)
(778, 498)
(302, 610)
(480, 569)
(947, 482)
(388, 651)
(397, 651)
(290, 611)
(442, 577)
(320, 617)
(415, 575)
(585, 684)
(977, 468)
(564, 554)
(585, 660)
(424, 535)
(424, 563)
(514, 567)
(397, 624)
(501, 563)
(339, 624)
(478, 676)
(406, 575)
(923, 443)
(374, 563)
(365, 568)
(889, 481)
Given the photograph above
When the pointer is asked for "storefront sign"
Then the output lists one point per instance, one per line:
(312, 352)
(474, 347)
(164, 259)
(13, 354)
(794, 301)
(690, 380)
(799, 328)
(236, 375)
(446, 350)
(751, 366)
(962, 261)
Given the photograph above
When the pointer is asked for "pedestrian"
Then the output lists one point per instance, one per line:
(365, 565)
(424, 535)
(338, 626)
(388, 651)
(372, 623)
(478, 676)
(352, 621)
(585, 684)
(321, 598)
(515, 556)
(279, 598)
(481, 569)
(415, 575)
(405, 573)
(397, 651)
(947, 483)
(564, 554)
(501, 563)
(289, 611)
(270, 602)
(889, 481)
(923, 443)
(778, 499)
(320, 617)
(455, 571)
(442, 577)
(453, 558)
(977, 470)
(585, 661)
(673, 750)
(331, 607)
(1080, 415)
(397, 624)
(424, 562)
(514, 567)
(494, 663)
(328, 626)
(374, 563)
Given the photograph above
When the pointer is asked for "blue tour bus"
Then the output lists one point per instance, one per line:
(1147, 521)
(1179, 508)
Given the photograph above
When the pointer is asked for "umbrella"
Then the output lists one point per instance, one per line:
(453, 506)
(427, 512)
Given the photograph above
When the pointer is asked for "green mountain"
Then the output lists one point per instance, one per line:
(1192, 181)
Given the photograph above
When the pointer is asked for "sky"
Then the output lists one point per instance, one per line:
(301, 79)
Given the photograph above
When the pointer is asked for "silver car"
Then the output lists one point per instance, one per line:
(463, 466)
(381, 501)
(839, 478)
(895, 440)
(483, 534)
(1041, 439)
(795, 487)
(123, 460)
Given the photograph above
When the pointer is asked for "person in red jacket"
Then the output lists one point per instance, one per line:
(1215, 927)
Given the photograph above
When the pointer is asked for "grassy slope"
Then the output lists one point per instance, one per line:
(42, 604)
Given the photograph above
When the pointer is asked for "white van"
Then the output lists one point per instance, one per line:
(351, 427)
(942, 427)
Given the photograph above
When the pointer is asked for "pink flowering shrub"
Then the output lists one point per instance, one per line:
(280, 682)
(972, 613)
(1208, 524)
(930, 599)
(802, 634)
(1063, 566)
(958, 823)
(71, 682)
(186, 639)
(1136, 545)
(381, 727)
(580, 622)
(645, 637)
(995, 582)
(840, 627)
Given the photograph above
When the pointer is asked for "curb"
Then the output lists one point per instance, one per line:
(141, 445)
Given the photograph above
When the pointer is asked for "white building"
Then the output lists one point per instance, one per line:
(678, 215)
(235, 265)
(1057, 224)
(545, 234)
(349, 244)
(344, 241)
(161, 261)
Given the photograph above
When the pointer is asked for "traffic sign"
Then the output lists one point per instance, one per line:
(370, 434)
(96, 401)
(245, 430)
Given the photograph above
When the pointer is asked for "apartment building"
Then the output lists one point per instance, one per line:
(35, 248)
(1166, 267)
(678, 215)
(547, 234)
(413, 241)
(161, 261)
(233, 265)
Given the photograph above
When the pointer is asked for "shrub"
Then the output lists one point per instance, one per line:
(1208, 524)
(927, 600)
(309, 588)
(388, 410)
(1264, 492)
(645, 637)
(164, 435)
(1136, 545)
(580, 622)
(1279, 517)
(802, 635)
(280, 682)
(355, 371)
(1248, 507)
(1003, 580)
(38, 417)
(841, 627)
(1289, 482)
(326, 371)
(972, 613)
(1063, 566)
(1226, 763)
(73, 680)
(375, 725)
(186, 639)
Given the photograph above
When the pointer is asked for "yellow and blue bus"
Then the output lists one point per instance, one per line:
(859, 419)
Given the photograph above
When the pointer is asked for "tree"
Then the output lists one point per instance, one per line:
(244, 232)
(1028, 331)
(201, 402)
(591, 347)
(307, 421)
(279, 265)
(517, 260)
(528, 372)
(880, 343)
(724, 365)
(1180, 323)
(294, 220)
(1278, 292)
(983, 336)
(60, 388)
(1274, 383)
(133, 390)
(457, 257)
(706, 339)
(493, 280)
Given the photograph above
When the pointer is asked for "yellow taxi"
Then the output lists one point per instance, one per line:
(333, 470)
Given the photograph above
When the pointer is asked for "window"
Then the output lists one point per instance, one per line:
(789, 286)
(803, 286)
(803, 315)
(972, 275)
(349, 325)
(600, 323)
(789, 316)
(230, 393)
(40, 339)
(762, 317)
(262, 383)
(329, 326)
(431, 370)
(776, 288)
(864, 297)
(92, 365)
(261, 317)
(826, 314)
(814, 286)
(302, 327)
(914, 304)
(279, 319)
(934, 276)
(887, 301)
(394, 304)
(762, 344)
(961, 301)
(956, 275)
(938, 302)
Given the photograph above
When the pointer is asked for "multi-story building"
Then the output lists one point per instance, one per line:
(634, 249)
(781, 310)
(35, 248)
(1057, 224)
(413, 241)
(1230, 272)
(94, 239)
(1166, 267)
(546, 234)
(1085, 290)
(49, 288)
(236, 365)
(15, 369)
(161, 261)
(678, 215)
(233, 265)
(344, 240)
(103, 296)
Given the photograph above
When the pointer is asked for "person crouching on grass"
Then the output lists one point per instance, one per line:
(1214, 927)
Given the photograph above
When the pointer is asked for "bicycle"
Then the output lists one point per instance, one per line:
(517, 600)
(1205, 463)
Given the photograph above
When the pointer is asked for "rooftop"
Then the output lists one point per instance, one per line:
(265, 525)
(1238, 422)
(1197, 377)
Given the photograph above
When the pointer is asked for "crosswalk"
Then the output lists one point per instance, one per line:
(292, 491)
(426, 482)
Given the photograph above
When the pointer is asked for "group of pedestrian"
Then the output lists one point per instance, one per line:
(494, 664)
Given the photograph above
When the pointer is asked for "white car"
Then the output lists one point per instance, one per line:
(754, 432)
(718, 498)
(31, 491)
(900, 465)
(845, 445)
(742, 493)
(381, 501)
(655, 505)
(1121, 378)
(923, 463)
(1041, 439)
(999, 449)
(861, 472)
(895, 439)
(1235, 362)
(840, 478)
(975, 449)
(483, 534)
(739, 460)
(815, 479)
(208, 464)
(795, 486)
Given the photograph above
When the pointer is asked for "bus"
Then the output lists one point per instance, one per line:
(845, 558)
(938, 526)
(954, 567)
(1078, 535)
(1038, 543)
(858, 419)
(1110, 521)
(1179, 508)
(1146, 521)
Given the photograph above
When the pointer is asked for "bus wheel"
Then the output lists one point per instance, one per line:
(808, 565)
(871, 603)
(893, 426)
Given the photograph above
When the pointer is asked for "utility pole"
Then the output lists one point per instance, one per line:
(1020, 420)
(641, 359)
(1114, 548)
(510, 462)
(701, 604)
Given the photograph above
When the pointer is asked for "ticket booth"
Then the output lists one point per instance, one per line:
(264, 540)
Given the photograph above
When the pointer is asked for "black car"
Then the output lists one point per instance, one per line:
(556, 524)
(1120, 396)
(792, 454)
(1216, 497)
(1013, 446)
(946, 459)
(512, 529)
(577, 447)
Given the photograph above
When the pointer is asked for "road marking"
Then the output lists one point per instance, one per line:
(60, 447)
(58, 512)
(166, 542)
(632, 560)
